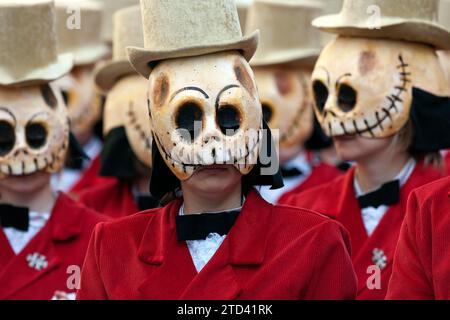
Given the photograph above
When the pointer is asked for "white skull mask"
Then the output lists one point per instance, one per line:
(34, 130)
(214, 93)
(126, 105)
(83, 101)
(364, 86)
(286, 103)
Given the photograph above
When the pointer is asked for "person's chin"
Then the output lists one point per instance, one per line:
(26, 183)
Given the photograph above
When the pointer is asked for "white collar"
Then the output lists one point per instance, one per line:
(403, 176)
(93, 147)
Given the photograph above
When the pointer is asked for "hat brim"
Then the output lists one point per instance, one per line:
(49, 73)
(292, 57)
(413, 30)
(142, 59)
(90, 54)
(111, 72)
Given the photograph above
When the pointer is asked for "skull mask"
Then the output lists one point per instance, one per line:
(364, 86)
(34, 130)
(126, 105)
(215, 93)
(83, 101)
(286, 103)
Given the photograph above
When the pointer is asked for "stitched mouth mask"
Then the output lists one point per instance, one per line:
(205, 110)
(126, 106)
(364, 86)
(286, 102)
(83, 102)
(34, 130)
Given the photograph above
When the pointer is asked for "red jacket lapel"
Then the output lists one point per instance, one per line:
(174, 271)
(7, 253)
(41, 256)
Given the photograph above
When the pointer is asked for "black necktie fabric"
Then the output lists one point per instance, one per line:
(14, 217)
(291, 173)
(199, 226)
(388, 194)
(145, 202)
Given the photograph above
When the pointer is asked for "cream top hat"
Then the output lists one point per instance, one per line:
(80, 37)
(183, 28)
(409, 20)
(110, 8)
(242, 7)
(286, 32)
(444, 13)
(28, 53)
(127, 32)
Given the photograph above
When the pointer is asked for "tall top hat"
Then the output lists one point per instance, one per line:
(242, 7)
(82, 37)
(110, 8)
(286, 32)
(409, 20)
(444, 13)
(127, 32)
(183, 28)
(28, 43)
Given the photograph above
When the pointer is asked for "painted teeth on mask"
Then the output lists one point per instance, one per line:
(247, 157)
(384, 116)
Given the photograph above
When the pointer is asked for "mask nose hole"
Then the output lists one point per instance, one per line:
(188, 120)
(229, 119)
(347, 97)
(7, 138)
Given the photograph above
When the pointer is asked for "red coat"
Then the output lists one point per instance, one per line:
(272, 252)
(112, 198)
(89, 178)
(337, 199)
(422, 260)
(62, 242)
(320, 174)
(447, 162)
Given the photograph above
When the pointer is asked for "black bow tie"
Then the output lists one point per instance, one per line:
(145, 202)
(388, 194)
(199, 226)
(291, 173)
(14, 217)
(75, 164)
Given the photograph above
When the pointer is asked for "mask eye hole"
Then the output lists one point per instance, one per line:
(229, 119)
(7, 138)
(65, 95)
(346, 98)
(267, 112)
(188, 114)
(320, 94)
(36, 135)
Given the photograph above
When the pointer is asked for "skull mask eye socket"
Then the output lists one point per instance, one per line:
(36, 135)
(320, 95)
(346, 98)
(188, 114)
(65, 95)
(7, 138)
(267, 112)
(228, 119)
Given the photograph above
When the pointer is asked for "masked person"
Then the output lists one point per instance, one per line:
(386, 105)
(43, 234)
(283, 65)
(218, 239)
(421, 269)
(126, 153)
(78, 29)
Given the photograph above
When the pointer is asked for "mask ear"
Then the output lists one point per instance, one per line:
(76, 152)
(117, 158)
(318, 140)
(430, 116)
